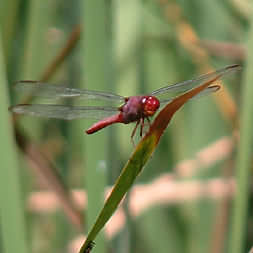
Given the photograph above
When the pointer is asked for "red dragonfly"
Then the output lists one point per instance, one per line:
(133, 108)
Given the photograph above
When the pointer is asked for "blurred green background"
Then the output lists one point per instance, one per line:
(195, 193)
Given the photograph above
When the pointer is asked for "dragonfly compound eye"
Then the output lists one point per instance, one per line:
(151, 105)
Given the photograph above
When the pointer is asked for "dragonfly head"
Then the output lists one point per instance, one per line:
(150, 105)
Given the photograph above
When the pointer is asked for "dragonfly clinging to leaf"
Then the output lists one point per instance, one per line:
(133, 109)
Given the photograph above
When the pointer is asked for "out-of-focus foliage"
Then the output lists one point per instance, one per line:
(130, 47)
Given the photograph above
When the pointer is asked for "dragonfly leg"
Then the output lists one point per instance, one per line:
(134, 131)
(142, 126)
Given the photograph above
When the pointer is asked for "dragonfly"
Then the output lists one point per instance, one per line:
(132, 109)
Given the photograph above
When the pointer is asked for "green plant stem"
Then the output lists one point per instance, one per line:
(13, 230)
(243, 168)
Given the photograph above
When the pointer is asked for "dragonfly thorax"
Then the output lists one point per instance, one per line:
(138, 107)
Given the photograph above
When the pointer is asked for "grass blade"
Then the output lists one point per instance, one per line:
(244, 158)
(11, 210)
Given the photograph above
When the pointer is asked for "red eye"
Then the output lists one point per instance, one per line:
(151, 104)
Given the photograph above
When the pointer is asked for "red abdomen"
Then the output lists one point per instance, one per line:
(104, 123)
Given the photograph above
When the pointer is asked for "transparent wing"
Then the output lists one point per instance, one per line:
(64, 111)
(169, 92)
(57, 91)
(205, 92)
